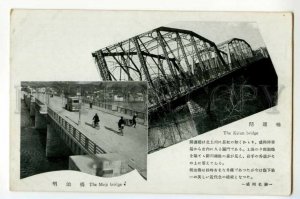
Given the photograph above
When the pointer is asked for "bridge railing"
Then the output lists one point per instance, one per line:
(102, 105)
(119, 109)
(87, 144)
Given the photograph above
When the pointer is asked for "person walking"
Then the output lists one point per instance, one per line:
(121, 125)
(134, 120)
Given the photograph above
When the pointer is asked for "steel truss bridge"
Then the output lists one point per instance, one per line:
(174, 62)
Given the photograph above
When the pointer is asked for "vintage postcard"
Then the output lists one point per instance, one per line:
(151, 102)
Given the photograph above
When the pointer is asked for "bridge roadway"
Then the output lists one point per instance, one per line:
(133, 145)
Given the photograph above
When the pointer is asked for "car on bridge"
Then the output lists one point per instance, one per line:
(73, 104)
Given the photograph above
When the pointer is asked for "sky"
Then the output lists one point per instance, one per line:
(56, 45)
(222, 31)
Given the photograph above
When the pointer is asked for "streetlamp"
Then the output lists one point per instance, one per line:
(45, 97)
(79, 112)
(62, 98)
(48, 99)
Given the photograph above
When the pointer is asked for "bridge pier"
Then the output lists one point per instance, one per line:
(27, 100)
(195, 109)
(55, 146)
(40, 121)
(167, 134)
(200, 110)
(32, 107)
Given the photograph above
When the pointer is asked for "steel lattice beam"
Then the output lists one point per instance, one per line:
(165, 58)
(142, 61)
(163, 46)
(183, 52)
(103, 66)
(124, 68)
(201, 66)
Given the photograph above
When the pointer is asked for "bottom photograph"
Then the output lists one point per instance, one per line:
(99, 128)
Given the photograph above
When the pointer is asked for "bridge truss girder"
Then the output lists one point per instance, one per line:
(238, 51)
(171, 60)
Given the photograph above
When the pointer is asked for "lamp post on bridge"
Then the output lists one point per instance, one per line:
(45, 97)
(48, 97)
(62, 98)
(79, 112)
